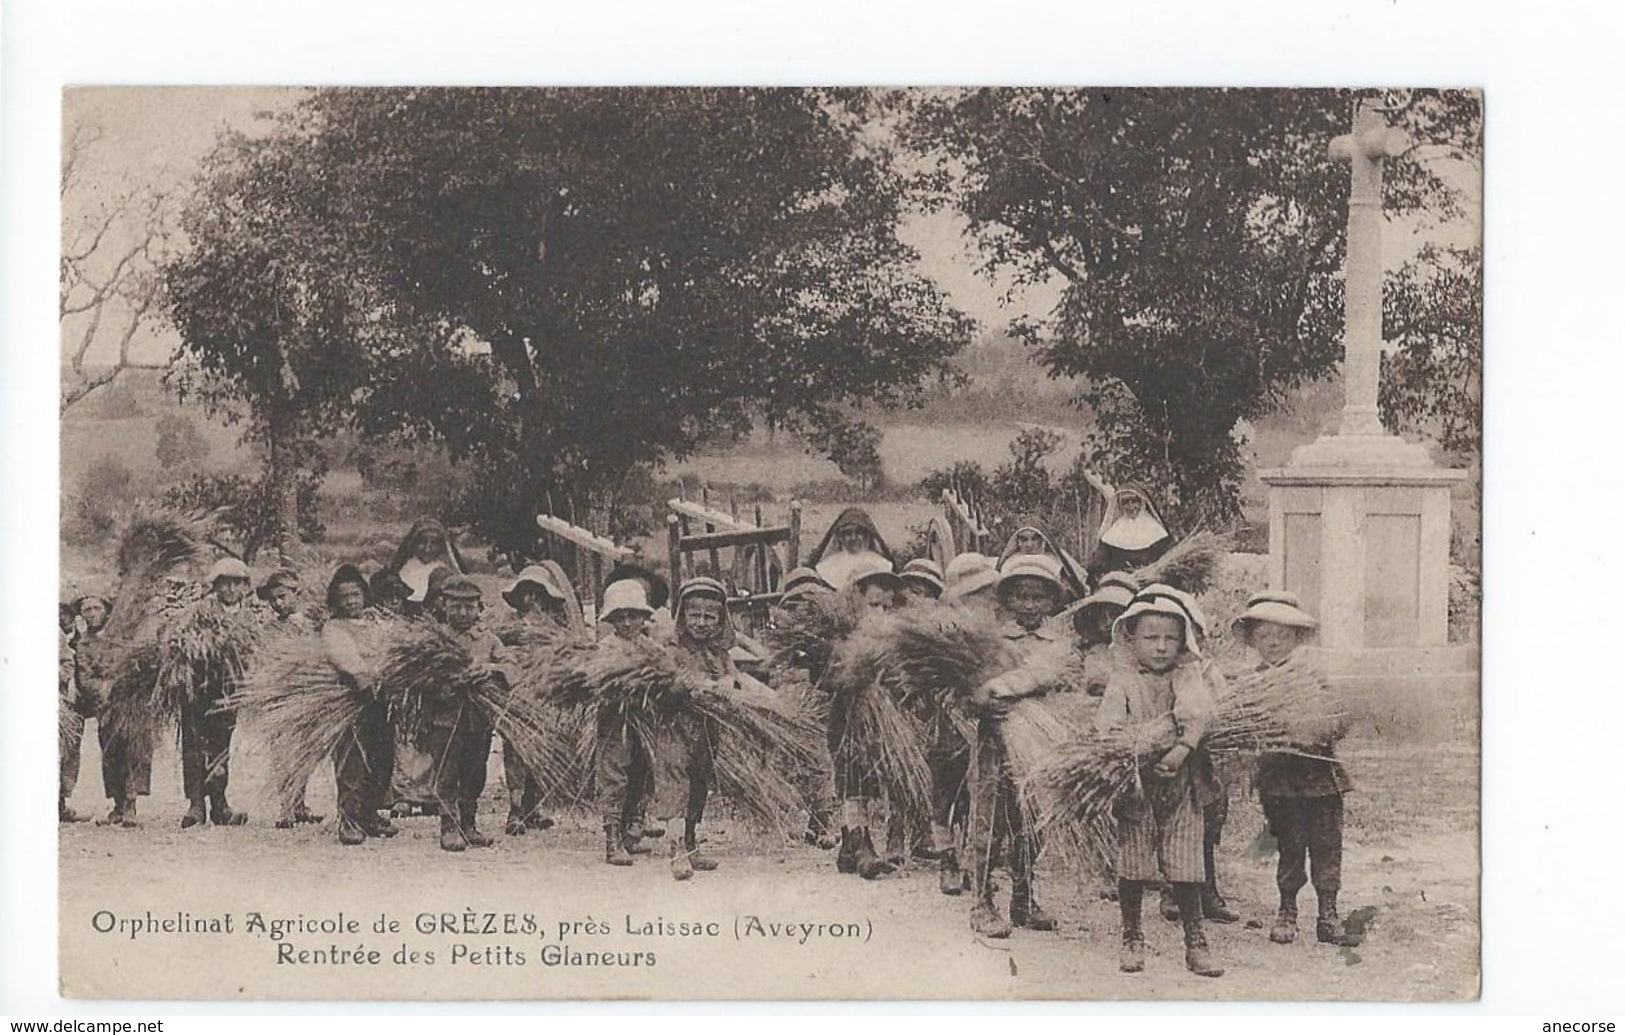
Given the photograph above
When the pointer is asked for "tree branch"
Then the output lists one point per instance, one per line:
(1055, 259)
(76, 392)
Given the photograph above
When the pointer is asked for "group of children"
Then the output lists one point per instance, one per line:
(1127, 653)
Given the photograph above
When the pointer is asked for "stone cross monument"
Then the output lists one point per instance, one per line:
(1360, 520)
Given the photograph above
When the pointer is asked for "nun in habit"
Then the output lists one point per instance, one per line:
(1132, 534)
(852, 544)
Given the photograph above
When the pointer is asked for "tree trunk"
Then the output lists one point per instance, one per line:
(284, 481)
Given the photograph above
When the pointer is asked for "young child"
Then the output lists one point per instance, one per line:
(363, 759)
(458, 737)
(206, 733)
(1030, 591)
(1092, 620)
(1160, 822)
(1215, 795)
(544, 607)
(621, 760)
(705, 639)
(1302, 793)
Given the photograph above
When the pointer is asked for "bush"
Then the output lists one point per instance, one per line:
(180, 444)
(105, 493)
(114, 402)
(246, 509)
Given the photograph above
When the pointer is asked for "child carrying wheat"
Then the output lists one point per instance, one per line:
(1301, 791)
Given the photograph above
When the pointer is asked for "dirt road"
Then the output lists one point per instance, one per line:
(774, 921)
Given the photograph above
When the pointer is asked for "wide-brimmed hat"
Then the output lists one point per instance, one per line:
(625, 595)
(656, 590)
(228, 568)
(277, 579)
(804, 580)
(874, 569)
(1120, 579)
(538, 576)
(1042, 567)
(1113, 595)
(969, 573)
(925, 570)
(1193, 610)
(1156, 600)
(1276, 606)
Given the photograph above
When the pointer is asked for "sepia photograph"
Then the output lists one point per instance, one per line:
(818, 543)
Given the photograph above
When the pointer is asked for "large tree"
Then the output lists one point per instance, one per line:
(579, 282)
(277, 330)
(1198, 237)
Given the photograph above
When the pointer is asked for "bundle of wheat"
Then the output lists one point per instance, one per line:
(301, 708)
(1280, 709)
(803, 636)
(873, 738)
(70, 725)
(423, 664)
(554, 739)
(760, 738)
(1188, 565)
(204, 655)
(127, 711)
(154, 546)
(763, 741)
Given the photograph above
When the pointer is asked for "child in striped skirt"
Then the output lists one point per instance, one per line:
(1160, 822)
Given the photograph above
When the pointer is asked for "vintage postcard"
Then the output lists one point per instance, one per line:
(726, 543)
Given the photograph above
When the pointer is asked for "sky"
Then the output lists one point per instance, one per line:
(159, 136)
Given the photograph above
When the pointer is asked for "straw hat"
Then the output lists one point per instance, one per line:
(1155, 600)
(1193, 610)
(1031, 566)
(969, 573)
(538, 576)
(1276, 606)
(923, 569)
(1113, 595)
(228, 568)
(873, 568)
(802, 580)
(625, 595)
(656, 590)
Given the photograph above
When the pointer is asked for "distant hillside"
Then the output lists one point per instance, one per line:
(121, 421)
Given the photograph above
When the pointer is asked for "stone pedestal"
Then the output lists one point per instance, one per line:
(1360, 531)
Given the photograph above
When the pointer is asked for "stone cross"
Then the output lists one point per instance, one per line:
(1372, 141)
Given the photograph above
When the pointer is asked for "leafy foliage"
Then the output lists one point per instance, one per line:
(105, 494)
(855, 449)
(245, 509)
(179, 442)
(1024, 488)
(560, 285)
(1433, 310)
(1197, 236)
